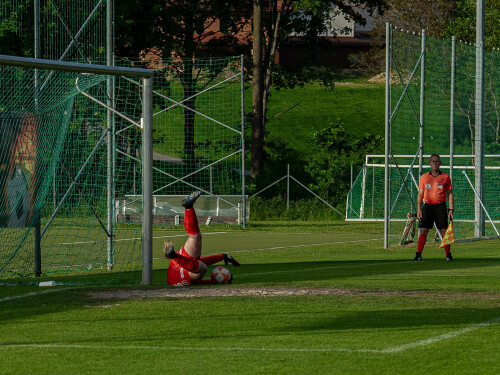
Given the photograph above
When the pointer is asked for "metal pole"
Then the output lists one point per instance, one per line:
(54, 187)
(287, 187)
(36, 6)
(111, 134)
(147, 184)
(352, 171)
(373, 190)
(67, 66)
(452, 105)
(37, 48)
(363, 191)
(38, 249)
(481, 203)
(243, 182)
(211, 175)
(479, 230)
(422, 104)
(387, 131)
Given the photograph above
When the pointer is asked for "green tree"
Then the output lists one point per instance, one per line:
(431, 15)
(463, 22)
(336, 152)
(16, 29)
(182, 31)
(275, 21)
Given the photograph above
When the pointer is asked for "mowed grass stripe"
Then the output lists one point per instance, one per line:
(390, 350)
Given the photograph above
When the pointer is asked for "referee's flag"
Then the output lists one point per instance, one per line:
(449, 236)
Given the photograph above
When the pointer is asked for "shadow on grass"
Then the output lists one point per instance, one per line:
(352, 269)
(359, 274)
(401, 318)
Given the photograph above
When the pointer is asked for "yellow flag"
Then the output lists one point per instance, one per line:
(449, 236)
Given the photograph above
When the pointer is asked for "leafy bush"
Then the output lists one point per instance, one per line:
(275, 209)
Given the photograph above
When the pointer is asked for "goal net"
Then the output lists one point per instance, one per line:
(198, 138)
(57, 176)
(79, 165)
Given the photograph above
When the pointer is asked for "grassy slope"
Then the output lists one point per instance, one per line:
(359, 105)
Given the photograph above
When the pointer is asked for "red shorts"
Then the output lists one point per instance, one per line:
(176, 275)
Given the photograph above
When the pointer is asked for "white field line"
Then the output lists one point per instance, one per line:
(390, 350)
(46, 291)
(133, 239)
(293, 246)
(305, 245)
(449, 335)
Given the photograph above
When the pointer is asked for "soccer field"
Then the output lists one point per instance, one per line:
(328, 300)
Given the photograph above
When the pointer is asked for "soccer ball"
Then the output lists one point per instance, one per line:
(221, 275)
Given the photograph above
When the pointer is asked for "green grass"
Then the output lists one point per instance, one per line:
(384, 313)
(359, 105)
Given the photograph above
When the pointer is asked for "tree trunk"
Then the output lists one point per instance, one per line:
(189, 91)
(273, 45)
(258, 124)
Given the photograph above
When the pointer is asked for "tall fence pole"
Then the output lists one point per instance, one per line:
(243, 181)
(111, 134)
(147, 184)
(287, 187)
(37, 49)
(479, 230)
(387, 130)
(452, 105)
(422, 104)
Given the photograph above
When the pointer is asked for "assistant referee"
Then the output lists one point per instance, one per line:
(433, 189)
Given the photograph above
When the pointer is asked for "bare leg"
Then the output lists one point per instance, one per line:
(198, 275)
(193, 244)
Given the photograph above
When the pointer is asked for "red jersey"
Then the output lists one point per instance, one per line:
(435, 188)
(176, 275)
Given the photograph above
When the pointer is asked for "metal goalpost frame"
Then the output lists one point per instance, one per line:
(146, 76)
(408, 168)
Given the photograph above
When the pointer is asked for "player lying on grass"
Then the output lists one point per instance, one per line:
(187, 266)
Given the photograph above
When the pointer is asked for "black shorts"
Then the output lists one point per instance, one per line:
(434, 213)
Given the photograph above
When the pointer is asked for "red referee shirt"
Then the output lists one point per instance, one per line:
(435, 188)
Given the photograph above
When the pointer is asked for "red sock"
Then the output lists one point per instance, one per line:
(212, 259)
(191, 222)
(422, 239)
(189, 264)
(447, 249)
